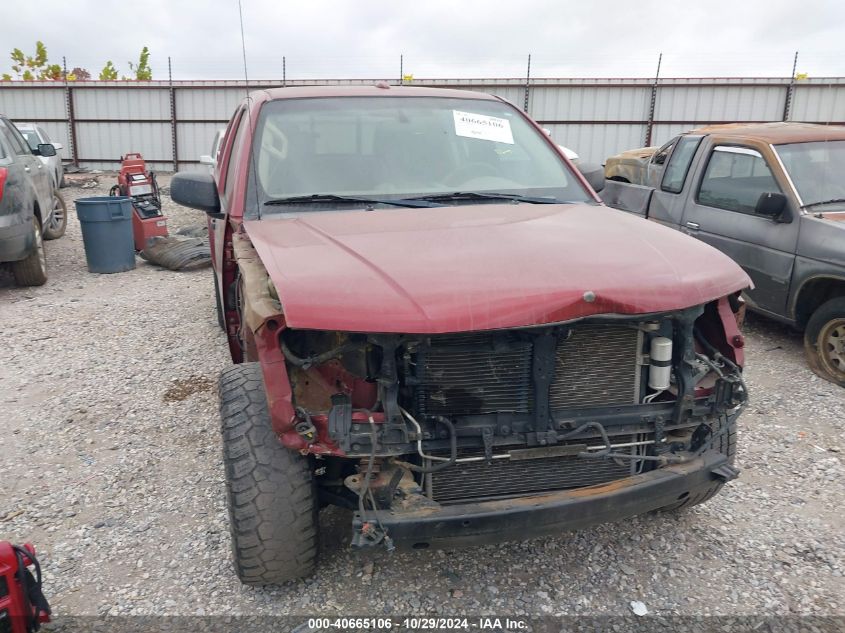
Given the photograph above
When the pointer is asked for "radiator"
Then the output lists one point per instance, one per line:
(483, 373)
(464, 375)
(596, 365)
(503, 478)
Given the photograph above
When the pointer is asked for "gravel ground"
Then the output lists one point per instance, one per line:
(110, 463)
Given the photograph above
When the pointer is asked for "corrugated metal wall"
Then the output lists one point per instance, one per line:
(96, 122)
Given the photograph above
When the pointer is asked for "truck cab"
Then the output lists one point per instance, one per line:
(770, 196)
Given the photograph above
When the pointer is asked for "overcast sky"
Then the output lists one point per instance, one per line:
(438, 38)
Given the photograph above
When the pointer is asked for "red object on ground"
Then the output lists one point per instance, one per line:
(17, 614)
(136, 182)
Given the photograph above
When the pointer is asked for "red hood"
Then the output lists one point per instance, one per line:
(481, 267)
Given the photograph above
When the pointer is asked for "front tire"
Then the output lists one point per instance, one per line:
(270, 489)
(824, 341)
(32, 271)
(57, 225)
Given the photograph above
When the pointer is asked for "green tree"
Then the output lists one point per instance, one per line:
(142, 69)
(109, 72)
(32, 67)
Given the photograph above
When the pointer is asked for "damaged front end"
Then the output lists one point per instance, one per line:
(435, 439)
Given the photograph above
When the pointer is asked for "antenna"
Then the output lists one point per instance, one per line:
(243, 43)
(252, 175)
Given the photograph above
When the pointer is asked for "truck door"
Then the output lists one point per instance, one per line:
(721, 213)
(670, 182)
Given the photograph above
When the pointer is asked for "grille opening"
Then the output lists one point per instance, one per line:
(484, 373)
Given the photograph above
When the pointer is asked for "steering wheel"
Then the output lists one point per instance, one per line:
(460, 174)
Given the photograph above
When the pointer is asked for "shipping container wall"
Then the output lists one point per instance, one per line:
(97, 122)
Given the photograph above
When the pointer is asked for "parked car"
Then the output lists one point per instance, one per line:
(771, 196)
(631, 165)
(437, 324)
(29, 212)
(35, 136)
(210, 159)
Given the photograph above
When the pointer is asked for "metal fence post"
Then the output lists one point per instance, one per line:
(649, 127)
(71, 124)
(527, 84)
(790, 89)
(173, 138)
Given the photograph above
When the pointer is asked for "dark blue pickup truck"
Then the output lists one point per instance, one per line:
(30, 210)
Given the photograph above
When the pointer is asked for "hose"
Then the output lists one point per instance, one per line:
(444, 462)
(319, 359)
(365, 485)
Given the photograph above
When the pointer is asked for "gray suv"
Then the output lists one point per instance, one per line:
(29, 210)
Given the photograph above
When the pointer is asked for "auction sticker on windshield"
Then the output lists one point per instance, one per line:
(481, 126)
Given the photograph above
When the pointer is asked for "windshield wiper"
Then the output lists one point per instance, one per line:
(821, 202)
(318, 198)
(484, 195)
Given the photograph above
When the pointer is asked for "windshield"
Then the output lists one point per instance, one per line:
(391, 147)
(31, 138)
(816, 170)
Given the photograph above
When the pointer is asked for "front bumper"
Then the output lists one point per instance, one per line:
(549, 513)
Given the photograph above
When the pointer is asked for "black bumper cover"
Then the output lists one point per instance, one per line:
(549, 513)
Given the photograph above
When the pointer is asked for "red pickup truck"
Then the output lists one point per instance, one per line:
(438, 325)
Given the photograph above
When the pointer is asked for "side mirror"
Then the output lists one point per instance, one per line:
(205, 159)
(594, 175)
(634, 199)
(46, 150)
(195, 190)
(771, 205)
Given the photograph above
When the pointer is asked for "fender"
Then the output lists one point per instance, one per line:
(262, 323)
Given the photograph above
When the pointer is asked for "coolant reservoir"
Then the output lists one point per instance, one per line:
(660, 363)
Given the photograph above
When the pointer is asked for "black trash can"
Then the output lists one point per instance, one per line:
(107, 233)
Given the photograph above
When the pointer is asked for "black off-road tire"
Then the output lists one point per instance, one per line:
(270, 489)
(58, 224)
(32, 271)
(825, 330)
(726, 444)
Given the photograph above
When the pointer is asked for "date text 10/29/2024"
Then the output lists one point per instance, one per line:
(482, 623)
